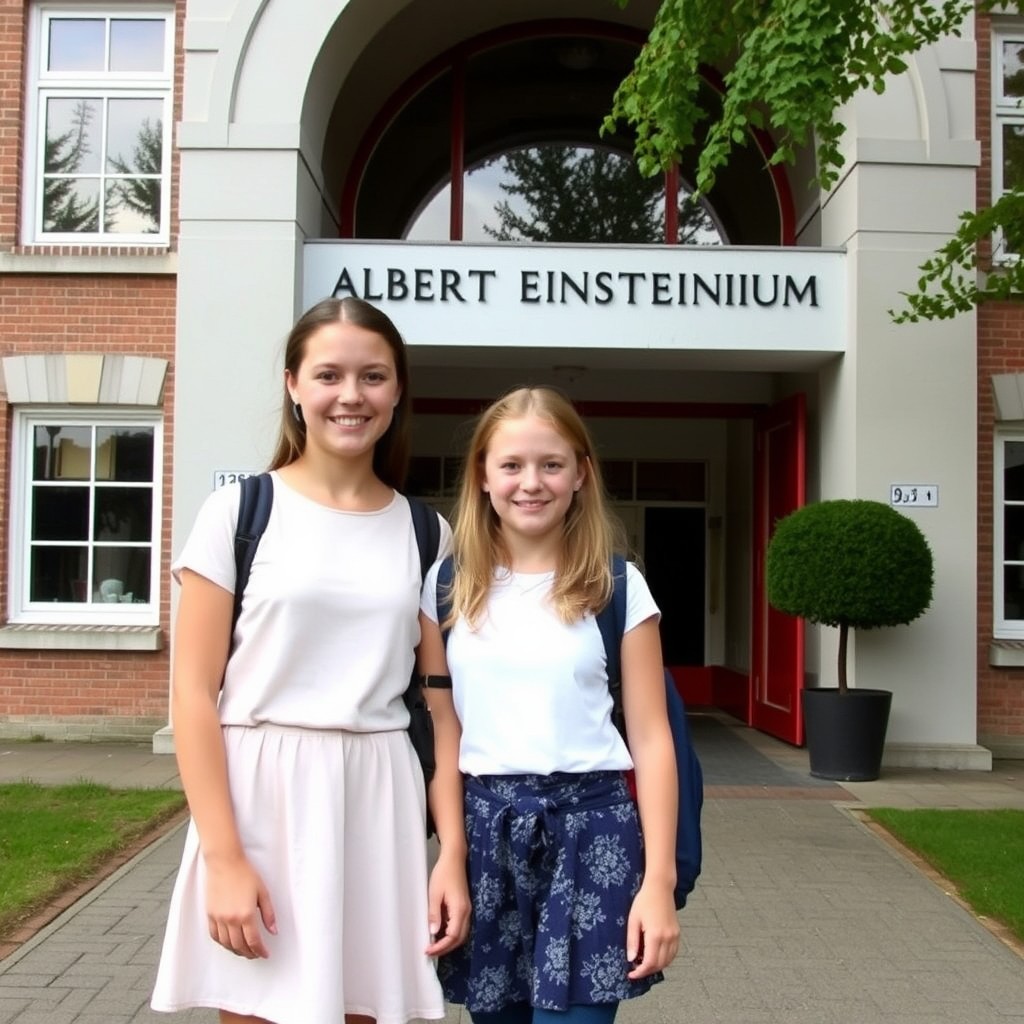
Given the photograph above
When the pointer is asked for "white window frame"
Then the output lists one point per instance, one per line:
(1002, 627)
(1005, 110)
(44, 85)
(20, 609)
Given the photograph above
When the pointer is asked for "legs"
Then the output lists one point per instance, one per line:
(518, 1013)
(521, 1013)
(601, 1013)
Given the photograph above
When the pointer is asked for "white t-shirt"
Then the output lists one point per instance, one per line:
(531, 692)
(328, 625)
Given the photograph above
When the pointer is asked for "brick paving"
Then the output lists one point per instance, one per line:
(804, 914)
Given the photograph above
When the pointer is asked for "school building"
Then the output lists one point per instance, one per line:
(179, 180)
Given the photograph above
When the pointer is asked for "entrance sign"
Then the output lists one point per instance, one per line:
(585, 296)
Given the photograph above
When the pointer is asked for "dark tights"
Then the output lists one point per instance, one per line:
(523, 1013)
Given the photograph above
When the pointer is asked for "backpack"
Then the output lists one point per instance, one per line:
(611, 621)
(254, 503)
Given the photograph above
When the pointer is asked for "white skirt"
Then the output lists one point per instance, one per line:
(334, 824)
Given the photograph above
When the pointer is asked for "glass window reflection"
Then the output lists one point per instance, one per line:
(74, 127)
(137, 44)
(1013, 68)
(563, 193)
(76, 44)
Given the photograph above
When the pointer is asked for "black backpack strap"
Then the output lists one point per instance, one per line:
(427, 528)
(255, 500)
(611, 621)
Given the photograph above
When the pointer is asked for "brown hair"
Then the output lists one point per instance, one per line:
(583, 581)
(391, 454)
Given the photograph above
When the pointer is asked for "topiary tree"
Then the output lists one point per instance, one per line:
(849, 563)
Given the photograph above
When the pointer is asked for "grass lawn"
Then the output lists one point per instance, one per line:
(52, 837)
(981, 852)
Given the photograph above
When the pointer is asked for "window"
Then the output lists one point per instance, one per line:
(1008, 532)
(564, 193)
(98, 150)
(86, 513)
(1008, 127)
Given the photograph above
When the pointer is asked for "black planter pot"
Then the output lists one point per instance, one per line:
(846, 732)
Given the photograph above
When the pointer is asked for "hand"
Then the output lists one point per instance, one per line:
(236, 902)
(448, 905)
(652, 932)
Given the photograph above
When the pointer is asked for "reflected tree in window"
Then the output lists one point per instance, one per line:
(1013, 74)
(572, 194)
(141, 195)
(66, 206)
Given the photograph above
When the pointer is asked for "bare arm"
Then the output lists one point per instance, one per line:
(234, 891)
(449, 894)
(653, 929)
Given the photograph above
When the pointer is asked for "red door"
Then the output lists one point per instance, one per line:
(777, 655)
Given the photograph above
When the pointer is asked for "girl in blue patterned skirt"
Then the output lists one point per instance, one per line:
(571, 880)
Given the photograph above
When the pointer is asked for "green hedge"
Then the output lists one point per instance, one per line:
(845, 562)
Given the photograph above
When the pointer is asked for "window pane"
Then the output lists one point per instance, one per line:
(432, 223)
(1013, 156)
(124, 513)
(696, 225)
(134, 136)
(121, 575)
(1013, 592)
(618, 478)
(424, 477)
(565, 193)
(71, 204)
(1013, 471)
(76, 44)
(61, 453)
(73, 131)
(60, 513)
(51, 443)
(452, 471)
(124, 454)
(670, 481)
(1013, 533)
(74, 453)
(57, 574)
(132, 206)
(1013, 68)
(137, 44)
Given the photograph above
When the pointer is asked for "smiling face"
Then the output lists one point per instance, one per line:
(347, 388)
(530, 473)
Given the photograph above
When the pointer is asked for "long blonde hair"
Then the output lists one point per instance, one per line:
(583, 582)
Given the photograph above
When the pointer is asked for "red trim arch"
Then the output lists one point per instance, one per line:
(455, 59)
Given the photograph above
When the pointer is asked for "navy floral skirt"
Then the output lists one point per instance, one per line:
(554, 863)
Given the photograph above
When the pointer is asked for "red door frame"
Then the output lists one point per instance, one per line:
(777, 640)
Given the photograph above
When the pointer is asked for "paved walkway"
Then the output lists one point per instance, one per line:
(803, 914)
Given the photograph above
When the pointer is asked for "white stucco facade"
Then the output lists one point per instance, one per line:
(887, 403)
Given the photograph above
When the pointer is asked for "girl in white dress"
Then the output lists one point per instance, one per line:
(303, 894)
(571, 881)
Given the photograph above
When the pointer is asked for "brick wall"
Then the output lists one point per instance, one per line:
(1000, 350)
(112, 314)
(78, 693)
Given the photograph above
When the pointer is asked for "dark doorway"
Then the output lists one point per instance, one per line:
(674, 561)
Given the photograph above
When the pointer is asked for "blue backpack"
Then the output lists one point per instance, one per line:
(611, 621)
